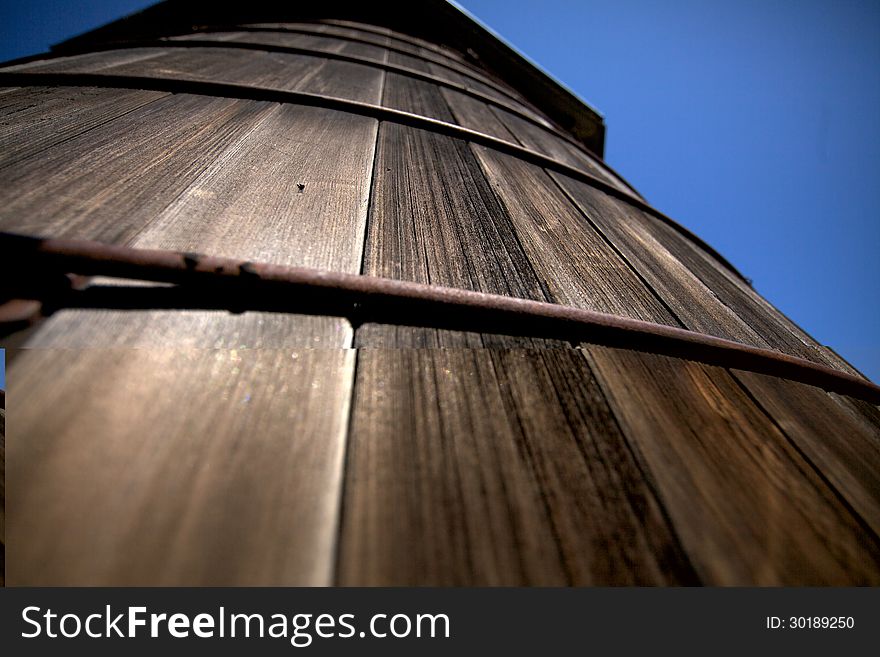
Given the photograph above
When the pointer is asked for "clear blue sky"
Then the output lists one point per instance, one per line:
(753, 123)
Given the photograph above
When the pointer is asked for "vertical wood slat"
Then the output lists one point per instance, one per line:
(90, 61)
(435, 219)
(543, 141)
(311, 42)
(280, 495)
(268, 70)
(229, 187)
(747, 507)
(244, 203)
(107, 183)
(474, 114)
(572, 260)
(845, 450)
(35, 119)
(175, 467)
(486, 90)
(694, 304)
(495, 467)
(416, 96)
(779, 331)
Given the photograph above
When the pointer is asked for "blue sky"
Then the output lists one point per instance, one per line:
(753, 123)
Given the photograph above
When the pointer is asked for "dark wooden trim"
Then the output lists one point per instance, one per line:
(226, 90)
(224, 283)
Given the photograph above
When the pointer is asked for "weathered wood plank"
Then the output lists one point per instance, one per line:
(399, 59)
(475, 114)
(375, 53)
(34, 119)
(90, 61)
(416, 96)
(345, 80)
(571, 258)
(175, 467)
(253, 68)
(108, 183)
(366, 43)
(845, 450)
(747, 507)
(416, 47)
(543, 141)
(774, 327)
(396, 37)
(494, 467)
(243, 200)
(435, 219)
(694, 304)
(246, 201)
(312, 42)
(486, 90)
(389, 336)
(169, 329)
(866, 414)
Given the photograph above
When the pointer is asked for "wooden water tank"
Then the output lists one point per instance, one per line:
(346, 295)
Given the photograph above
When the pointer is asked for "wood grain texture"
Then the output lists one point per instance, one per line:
(240, 199)
(572, 260)
(246, 201)
(230, 186)
(694, 304)
(109, 182)
(317, 43)
(312, 42)
(435, 219)
(90, 61)
(399, 59)
(417, 47)
(541, 140)
(366, 43)
(774, 327)
(746, 505)
(34, 119)
(175, 467)
(394, 336)
(868, 415)
(843, 448)
(475, 114)
(396, 37)
(260, 69)
(165, 329)
(416, 96)
(487, 90)
(494, 467)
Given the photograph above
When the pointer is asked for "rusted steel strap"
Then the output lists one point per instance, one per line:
(31, 267)
(227, 90)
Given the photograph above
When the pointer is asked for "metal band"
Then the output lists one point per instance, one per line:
(35, 266)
